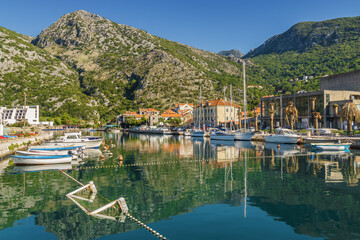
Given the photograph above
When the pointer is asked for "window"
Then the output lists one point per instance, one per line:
(327, 98)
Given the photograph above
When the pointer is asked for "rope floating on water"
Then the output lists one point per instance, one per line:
(141, 224)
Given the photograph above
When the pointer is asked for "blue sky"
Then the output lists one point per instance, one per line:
(212, 25)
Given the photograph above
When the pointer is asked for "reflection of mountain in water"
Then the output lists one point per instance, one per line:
(289, 189)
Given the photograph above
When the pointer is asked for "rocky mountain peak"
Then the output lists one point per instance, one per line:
(303, 36)
(233, 53)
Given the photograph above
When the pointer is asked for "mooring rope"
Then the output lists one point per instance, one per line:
(141, 224)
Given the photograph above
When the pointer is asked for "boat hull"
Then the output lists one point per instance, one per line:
(224, 137)
(91, 144)
(244, 136)
(197, 133)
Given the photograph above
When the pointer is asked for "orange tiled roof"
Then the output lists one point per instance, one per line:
(184, 112)
(173, 115)
(148, 110)
(130, 113)
(169, 111)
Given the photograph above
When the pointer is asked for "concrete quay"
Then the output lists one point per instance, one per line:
(22, 143)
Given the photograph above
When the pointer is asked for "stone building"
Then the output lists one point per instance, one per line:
(335, 89)
(215, 113)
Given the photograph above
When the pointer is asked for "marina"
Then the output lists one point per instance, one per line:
(176, 186)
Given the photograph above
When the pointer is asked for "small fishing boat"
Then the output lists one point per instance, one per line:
(34, 160)
(282, 135)
(46, 150)
(221, 135)
(330, 146)
(309, 140)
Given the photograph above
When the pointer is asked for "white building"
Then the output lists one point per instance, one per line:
(19, 114)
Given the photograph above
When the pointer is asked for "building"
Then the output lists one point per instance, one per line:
(148, 111)
(183, 107)
(335, 89)
(19, 114)
(168, 114)
(215, 113)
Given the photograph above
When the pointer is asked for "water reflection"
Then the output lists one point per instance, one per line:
(315, 194)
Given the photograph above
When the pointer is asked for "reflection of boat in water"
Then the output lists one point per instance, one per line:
(283, 150)
(337, 153)
(331, 146)
(244, 144)
(34, 168)
(222, 143)
(34, 160)
(93, 152)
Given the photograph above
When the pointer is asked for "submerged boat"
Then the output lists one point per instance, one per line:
(76, 138)
(221, 135)
(330, 146)
(283, 135)
(34, 160)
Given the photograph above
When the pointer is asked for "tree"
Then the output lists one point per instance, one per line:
(350, 112)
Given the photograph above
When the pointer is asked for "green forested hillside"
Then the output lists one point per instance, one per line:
(308, 49)
(27, 69)
(92, 68)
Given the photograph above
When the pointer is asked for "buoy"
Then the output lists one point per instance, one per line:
(278, 146)
(120, 157)
(107, 147)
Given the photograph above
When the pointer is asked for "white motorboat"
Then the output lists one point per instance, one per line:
(34, 160)
(244, 135)
(76, 138)
(221, 135)
(187, 132)
(283, 135)
(197, 133)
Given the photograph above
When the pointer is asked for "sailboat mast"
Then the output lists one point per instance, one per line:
(224, 109)
(200, 106)
(244, 94)
(231, 113)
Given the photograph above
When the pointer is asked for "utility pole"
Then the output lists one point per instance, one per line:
(24, 109)
(224, 109)
(244, 94)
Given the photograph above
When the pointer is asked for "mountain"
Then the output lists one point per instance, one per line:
(308, 49)
(304, 36)
(25, 68)
(122, 67)
(231, 53)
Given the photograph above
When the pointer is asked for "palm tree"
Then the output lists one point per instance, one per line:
(350, 112)
(291, 114)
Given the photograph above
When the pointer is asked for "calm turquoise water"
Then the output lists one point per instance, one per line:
(188, 188)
